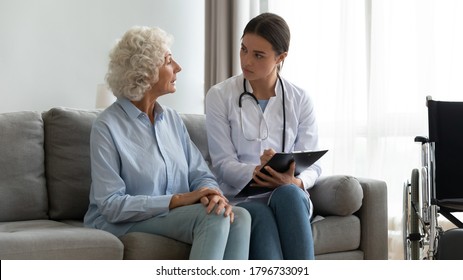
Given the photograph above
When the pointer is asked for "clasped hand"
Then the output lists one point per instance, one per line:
(212, 199)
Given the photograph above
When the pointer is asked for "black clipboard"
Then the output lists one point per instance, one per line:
(280, 162)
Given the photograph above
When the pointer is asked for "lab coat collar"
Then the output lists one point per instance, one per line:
(278, 89)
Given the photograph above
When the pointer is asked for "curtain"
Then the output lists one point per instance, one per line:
(369, 66)
(225, 22)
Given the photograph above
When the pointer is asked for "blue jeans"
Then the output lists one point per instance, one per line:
(211, 236)
(281, 229)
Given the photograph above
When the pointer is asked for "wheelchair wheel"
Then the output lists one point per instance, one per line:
(411, 229)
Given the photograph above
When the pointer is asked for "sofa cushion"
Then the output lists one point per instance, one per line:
(51, 240)
(331, 234)
(336, 234)
(196, 126)
(67, 161)
(338, 195)
(145, 246)
(23, 193)
(345, 255)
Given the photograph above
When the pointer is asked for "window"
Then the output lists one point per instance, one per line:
(369, 78)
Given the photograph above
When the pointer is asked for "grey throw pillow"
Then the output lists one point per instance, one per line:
(337, 195)
(67, 160)
(23, 193)
(196, 126)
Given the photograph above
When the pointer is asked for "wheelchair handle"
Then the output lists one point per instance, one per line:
(422, 139)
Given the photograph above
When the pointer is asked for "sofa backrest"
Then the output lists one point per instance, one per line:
(196, 126)
(67, 157)
(45, 162)
(67, 161)
(23, 193)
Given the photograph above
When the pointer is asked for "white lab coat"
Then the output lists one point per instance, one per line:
(233, 156)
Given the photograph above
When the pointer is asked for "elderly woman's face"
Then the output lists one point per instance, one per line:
(167, 76)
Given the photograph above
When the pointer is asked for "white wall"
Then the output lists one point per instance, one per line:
(55, 52)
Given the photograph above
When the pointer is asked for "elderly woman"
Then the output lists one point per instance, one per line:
(147, 176)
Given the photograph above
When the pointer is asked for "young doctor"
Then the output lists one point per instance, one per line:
(251, 116)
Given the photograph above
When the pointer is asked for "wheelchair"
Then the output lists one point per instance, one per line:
(436, 187)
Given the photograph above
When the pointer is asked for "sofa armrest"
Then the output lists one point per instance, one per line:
(341, 195)
(337, 195)
(373, 219)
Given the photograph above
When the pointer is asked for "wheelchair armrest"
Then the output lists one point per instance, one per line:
(422, 139)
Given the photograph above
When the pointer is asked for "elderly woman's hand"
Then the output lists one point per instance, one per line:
(220, 203)
(210, 198)
(183, 199)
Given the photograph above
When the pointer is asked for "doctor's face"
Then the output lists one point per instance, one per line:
(258, 59)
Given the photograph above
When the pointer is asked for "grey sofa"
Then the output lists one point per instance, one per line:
(45, 180)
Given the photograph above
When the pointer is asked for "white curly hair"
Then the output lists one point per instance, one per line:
(135, 60)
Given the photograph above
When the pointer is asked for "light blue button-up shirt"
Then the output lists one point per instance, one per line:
(136, 166)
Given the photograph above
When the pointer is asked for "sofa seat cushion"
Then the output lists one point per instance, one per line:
(67, 161)
(336, 234)
(347, 255)
(145, 246)
(51, 240)
(331, 235)
(23, 193)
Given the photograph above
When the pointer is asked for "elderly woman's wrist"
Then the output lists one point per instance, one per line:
(174, 201)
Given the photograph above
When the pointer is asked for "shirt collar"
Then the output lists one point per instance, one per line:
(133, 112)
(158, 112)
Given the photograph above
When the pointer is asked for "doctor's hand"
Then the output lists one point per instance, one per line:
(266, 156)
(275, 178)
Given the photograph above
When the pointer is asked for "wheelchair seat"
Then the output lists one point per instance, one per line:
(451, 245)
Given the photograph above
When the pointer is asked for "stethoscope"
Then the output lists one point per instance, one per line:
(257, 102)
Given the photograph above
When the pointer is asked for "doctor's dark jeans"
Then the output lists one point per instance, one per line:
(281, 229)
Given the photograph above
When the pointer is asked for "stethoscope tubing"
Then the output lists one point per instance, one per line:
(246, 92)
